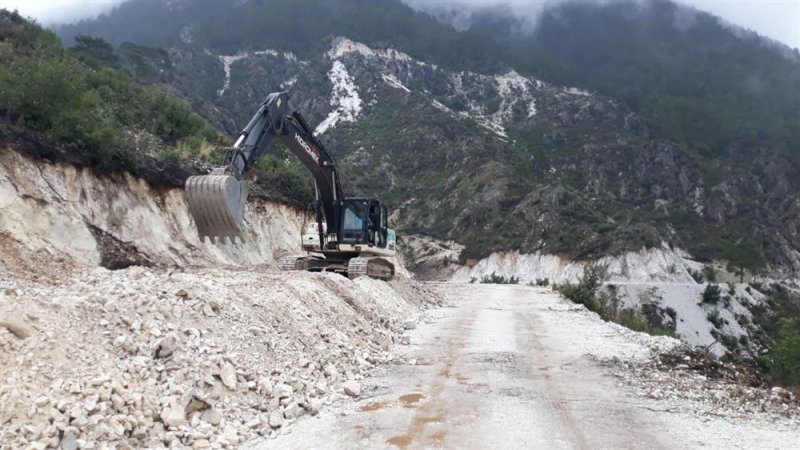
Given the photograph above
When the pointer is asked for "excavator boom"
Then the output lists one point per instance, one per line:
(217, 201)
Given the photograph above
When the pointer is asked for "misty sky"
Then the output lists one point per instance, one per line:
(778, 19)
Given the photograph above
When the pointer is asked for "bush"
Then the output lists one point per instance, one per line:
(634, 320)
(542, 282)
(784, 355)
(499, 279)
(585, 291)
(696, 275)
(715, 319)
(672, 314)
(709, 274)
(711, 294)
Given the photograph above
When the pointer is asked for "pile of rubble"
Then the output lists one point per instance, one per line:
(187, 357)
(696, 381)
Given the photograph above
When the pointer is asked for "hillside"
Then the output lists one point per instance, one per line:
(573, 232)
(485, 139)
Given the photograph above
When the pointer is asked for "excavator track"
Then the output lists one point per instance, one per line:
(217, 202)
(373, 267)
(301, 262)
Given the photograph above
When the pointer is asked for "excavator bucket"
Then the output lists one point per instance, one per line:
(217, 204)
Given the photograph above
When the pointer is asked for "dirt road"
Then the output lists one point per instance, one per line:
(518, 367)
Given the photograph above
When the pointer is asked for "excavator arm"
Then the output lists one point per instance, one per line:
(217, 201)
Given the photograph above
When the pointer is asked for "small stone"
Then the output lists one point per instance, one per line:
(264, 386)
(193, 403)
(352, 388)
(293, 411)
(208, 310)
(228, 375)
(252, 423)
(330, 370)
(313, 406)
(405, 339)
(201, 443)
(283, 391)
(182, 293)
(211, 416)
(15, 329)
(276, 419)
(173, 414)
(99, 381)
(69, 439)
(166, 347)
(91, 402)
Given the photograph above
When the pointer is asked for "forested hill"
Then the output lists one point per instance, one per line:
(695, 78)
(626, 123)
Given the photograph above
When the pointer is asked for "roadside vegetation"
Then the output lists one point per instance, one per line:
(79, 101)
(587, 292)
(777, 321)
(499, 279)
(78, 105)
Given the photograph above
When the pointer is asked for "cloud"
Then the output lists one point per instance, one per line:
(776, 19)
(49, 12)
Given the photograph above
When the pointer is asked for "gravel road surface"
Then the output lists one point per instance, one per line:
(517, 367)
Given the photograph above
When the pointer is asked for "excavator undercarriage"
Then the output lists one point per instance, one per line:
(373, 267)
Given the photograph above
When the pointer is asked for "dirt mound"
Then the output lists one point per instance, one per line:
(153, 357)
(696, 381)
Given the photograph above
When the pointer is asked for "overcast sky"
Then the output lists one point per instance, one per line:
(778, 19)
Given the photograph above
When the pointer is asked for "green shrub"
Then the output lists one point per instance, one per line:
(711, 294)
(499, 279)
(81, 102)
(715, 319)
(696, 275)
(784, 355)
(634, 320)
(709, 274)
(585, 291)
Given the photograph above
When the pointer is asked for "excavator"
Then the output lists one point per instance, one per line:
(350, 234)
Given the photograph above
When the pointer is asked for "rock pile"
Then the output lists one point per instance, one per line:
(696, 381)
(202, 358)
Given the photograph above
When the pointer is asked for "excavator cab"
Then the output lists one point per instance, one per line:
(364, 222)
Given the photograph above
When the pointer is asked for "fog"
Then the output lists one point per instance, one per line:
(776, 19)
(48, 12)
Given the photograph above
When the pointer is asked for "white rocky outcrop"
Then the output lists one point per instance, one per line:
(54, 209)
(342, 46)
(344, 98)
(653, 265)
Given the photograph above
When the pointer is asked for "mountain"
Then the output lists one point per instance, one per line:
(609, 127)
